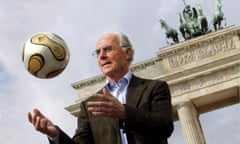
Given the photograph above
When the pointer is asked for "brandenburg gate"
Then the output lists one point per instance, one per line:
(203, 74)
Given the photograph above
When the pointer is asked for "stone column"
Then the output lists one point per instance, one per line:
(190, 124)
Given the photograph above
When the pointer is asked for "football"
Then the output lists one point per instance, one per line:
(45, 55)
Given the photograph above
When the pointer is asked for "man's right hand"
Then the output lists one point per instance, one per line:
(42, 124)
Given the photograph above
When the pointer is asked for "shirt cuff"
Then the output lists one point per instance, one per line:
(54, 139)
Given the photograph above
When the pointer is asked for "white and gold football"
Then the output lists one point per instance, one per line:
(45, 55)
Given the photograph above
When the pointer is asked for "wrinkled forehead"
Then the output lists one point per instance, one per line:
(107, 40)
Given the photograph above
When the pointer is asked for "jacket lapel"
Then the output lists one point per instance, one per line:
(135, 91)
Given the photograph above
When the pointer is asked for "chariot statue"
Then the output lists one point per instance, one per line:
(193, 23)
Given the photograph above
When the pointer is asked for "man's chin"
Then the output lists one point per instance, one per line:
(106, 71)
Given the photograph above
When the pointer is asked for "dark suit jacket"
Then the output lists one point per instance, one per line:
(148, 118)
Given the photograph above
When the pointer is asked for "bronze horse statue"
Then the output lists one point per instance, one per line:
(218, 16)
(183, 28)
(169, 32)
(202, 20)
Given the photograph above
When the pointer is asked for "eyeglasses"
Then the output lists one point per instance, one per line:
(105, 50)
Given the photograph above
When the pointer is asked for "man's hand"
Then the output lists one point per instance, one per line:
(106, 106)
(42, 124)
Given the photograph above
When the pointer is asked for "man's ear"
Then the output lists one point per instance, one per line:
(128, 53)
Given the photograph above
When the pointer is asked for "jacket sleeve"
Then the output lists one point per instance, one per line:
(61, 139)
(83, 134)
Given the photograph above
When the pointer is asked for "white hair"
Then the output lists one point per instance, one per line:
(125, 43)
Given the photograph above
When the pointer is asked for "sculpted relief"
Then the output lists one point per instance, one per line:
(201, 52)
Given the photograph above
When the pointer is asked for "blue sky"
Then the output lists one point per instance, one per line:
(80, 23)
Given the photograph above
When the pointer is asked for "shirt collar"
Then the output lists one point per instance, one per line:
(122, 81)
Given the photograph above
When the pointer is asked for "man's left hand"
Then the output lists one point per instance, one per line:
(106, 106)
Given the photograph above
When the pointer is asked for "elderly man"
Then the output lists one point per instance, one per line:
(128, 110)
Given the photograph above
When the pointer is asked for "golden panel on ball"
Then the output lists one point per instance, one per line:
(35, 64)
(57, 50)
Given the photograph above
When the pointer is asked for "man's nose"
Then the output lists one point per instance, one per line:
(102, 54)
